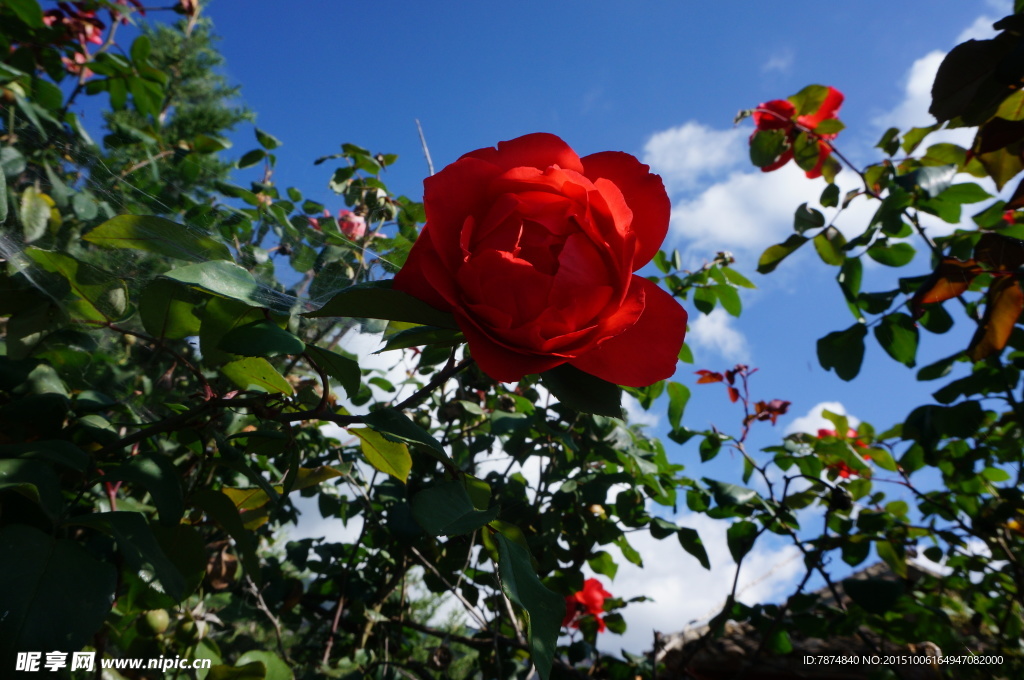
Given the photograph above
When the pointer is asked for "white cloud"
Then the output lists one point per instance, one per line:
(814, 420)
(714, 333)
(683, 591)
(691, 152)
(745, 213)
(781, 61)
(635, 413)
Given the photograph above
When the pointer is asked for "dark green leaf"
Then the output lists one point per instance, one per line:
(167, 310)
(344, 370)
(261, 339)
(690, 540)
(678, 396)
(423, 335)
(829, 196)
(397, 426)
(377, 300)
(771, 257)
(939, 369)
(542, 608)
(843, 351)
(730, 495)
(229, 280)
(584, 392)
(875, 595)
(806, 151)
(222, 510)
(447, 510)
(808, 100)
(100, 296)
(931, 180)
(741, 536)
(251, 158)
(898, 336)
(28, 11)
(159, 477)
(139, 547)
(892, 255)
(704, 299)
(266, 140)
(55, 593)
(766, 146)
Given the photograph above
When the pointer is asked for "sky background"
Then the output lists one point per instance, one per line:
(661, 80)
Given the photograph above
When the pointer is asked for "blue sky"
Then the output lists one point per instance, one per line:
(661, 80)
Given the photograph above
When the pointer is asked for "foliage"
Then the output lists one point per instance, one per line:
(175, 381)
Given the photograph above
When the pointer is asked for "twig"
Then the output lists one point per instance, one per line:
(426, 150)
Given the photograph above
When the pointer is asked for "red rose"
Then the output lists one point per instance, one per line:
(590, 601)
(779, 114)
(533, 250)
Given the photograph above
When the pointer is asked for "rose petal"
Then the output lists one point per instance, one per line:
(500, 362)
(647, 351)
(538, 150)
(774, 115)
(449, 197)
(644, 193)
(413, 279)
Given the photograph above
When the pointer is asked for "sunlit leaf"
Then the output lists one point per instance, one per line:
(1003, 308)
(389, 457)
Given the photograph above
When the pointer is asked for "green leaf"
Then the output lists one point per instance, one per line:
(843, 351)
(730, 495)
(423, 335)
(737, 279)
(100, 296)
(603, 563)
(806, 151)
(829, 244)
(222, 510)
(892, 255)
(678, 396)
(995, 475)
(583, 392)
(1002, 165)
(741, 536)
(387, 456)
(55, 593)
(766, 146)
(704, 299)
(729, 298)
(141, 48)
(874, 595)
(267, 140)
(229, 280)
(377, 300)
(256, 373)
(931, 180)
(344, 370)
(28, 11)
(893, 555)
(830, 126)
(967, 192)
(939, 369)
(35, 213)
(397, 426)
(808, 100)
(138, 545)
(898, 336)
(542, 608)
(167, 310)
(830, 196)
(690, 540)
(261, 339)
(277, 669)
(890, 141)
(447, 510)
(251, 158)
(219, 317)
(771, 257)
(883, 459)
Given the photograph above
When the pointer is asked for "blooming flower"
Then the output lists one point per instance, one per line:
(587, 602)
(533, 250)
(780, 114)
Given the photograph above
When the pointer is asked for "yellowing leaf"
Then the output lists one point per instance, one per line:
(389, 457)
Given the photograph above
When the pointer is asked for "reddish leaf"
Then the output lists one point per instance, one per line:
(1005, 303)
(999, 252)
(707, 376)
(998, 134)
(950, 279)
(733, 394)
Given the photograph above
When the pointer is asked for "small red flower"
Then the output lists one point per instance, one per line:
(780, 114)
(851, 434)
(843, 470)
(587, 602)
